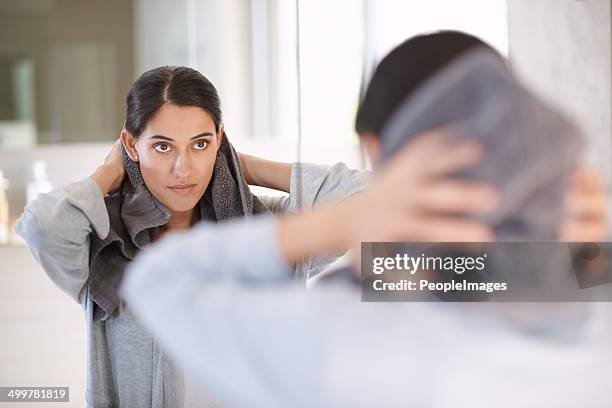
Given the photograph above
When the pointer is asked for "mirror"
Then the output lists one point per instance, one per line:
(64, 68)
(17, 102)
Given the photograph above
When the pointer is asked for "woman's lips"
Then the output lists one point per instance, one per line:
(182, 188)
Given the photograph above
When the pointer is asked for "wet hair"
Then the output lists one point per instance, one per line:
(181, 86)
(404, 69)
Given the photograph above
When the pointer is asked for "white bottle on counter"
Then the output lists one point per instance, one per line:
(4, 210)
(39, 183)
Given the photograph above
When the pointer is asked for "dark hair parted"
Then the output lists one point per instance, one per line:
(181, 86)
(404, 69)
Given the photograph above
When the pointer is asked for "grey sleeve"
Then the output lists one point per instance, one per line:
(237, 322)
(313, 184)
(56, 227)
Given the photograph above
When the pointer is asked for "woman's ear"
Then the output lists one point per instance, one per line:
(220, 135)
(129, 142)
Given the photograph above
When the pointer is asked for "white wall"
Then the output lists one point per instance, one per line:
(220, 51)
(563, 49)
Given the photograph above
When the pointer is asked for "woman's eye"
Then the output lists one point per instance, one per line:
(162, 148)
(200, 145)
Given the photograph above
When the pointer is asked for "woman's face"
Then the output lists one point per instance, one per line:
(177, 152)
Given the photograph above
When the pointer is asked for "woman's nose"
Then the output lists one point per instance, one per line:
(182, 164)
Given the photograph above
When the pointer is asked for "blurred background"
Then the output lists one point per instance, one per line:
(289, 78)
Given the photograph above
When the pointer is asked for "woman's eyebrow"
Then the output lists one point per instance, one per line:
(202, 135)
(172, 140)
(162, 138)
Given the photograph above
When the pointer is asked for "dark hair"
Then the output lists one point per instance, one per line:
(404, 69)
(180, 86)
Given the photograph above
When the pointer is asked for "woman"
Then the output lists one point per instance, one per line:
(180, 168)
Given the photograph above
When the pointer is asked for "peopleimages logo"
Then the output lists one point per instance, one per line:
(412, 264)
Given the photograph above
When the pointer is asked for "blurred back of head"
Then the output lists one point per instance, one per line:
(404, 69)
(454, 80)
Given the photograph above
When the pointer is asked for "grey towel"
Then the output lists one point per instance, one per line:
(530, 149)
(135, 215)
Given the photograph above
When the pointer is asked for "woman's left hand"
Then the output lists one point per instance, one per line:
(585, 208)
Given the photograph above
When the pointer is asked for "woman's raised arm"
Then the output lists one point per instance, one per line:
(56, 226)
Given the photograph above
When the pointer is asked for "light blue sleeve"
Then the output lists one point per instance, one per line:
(221, 301)
(211, 295)
(56, 227)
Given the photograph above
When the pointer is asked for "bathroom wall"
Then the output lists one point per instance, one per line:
(563, 49)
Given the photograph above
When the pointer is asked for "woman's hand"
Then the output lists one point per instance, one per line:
(585, 208)
(266, 173)
(109, 175)
(413, 198)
